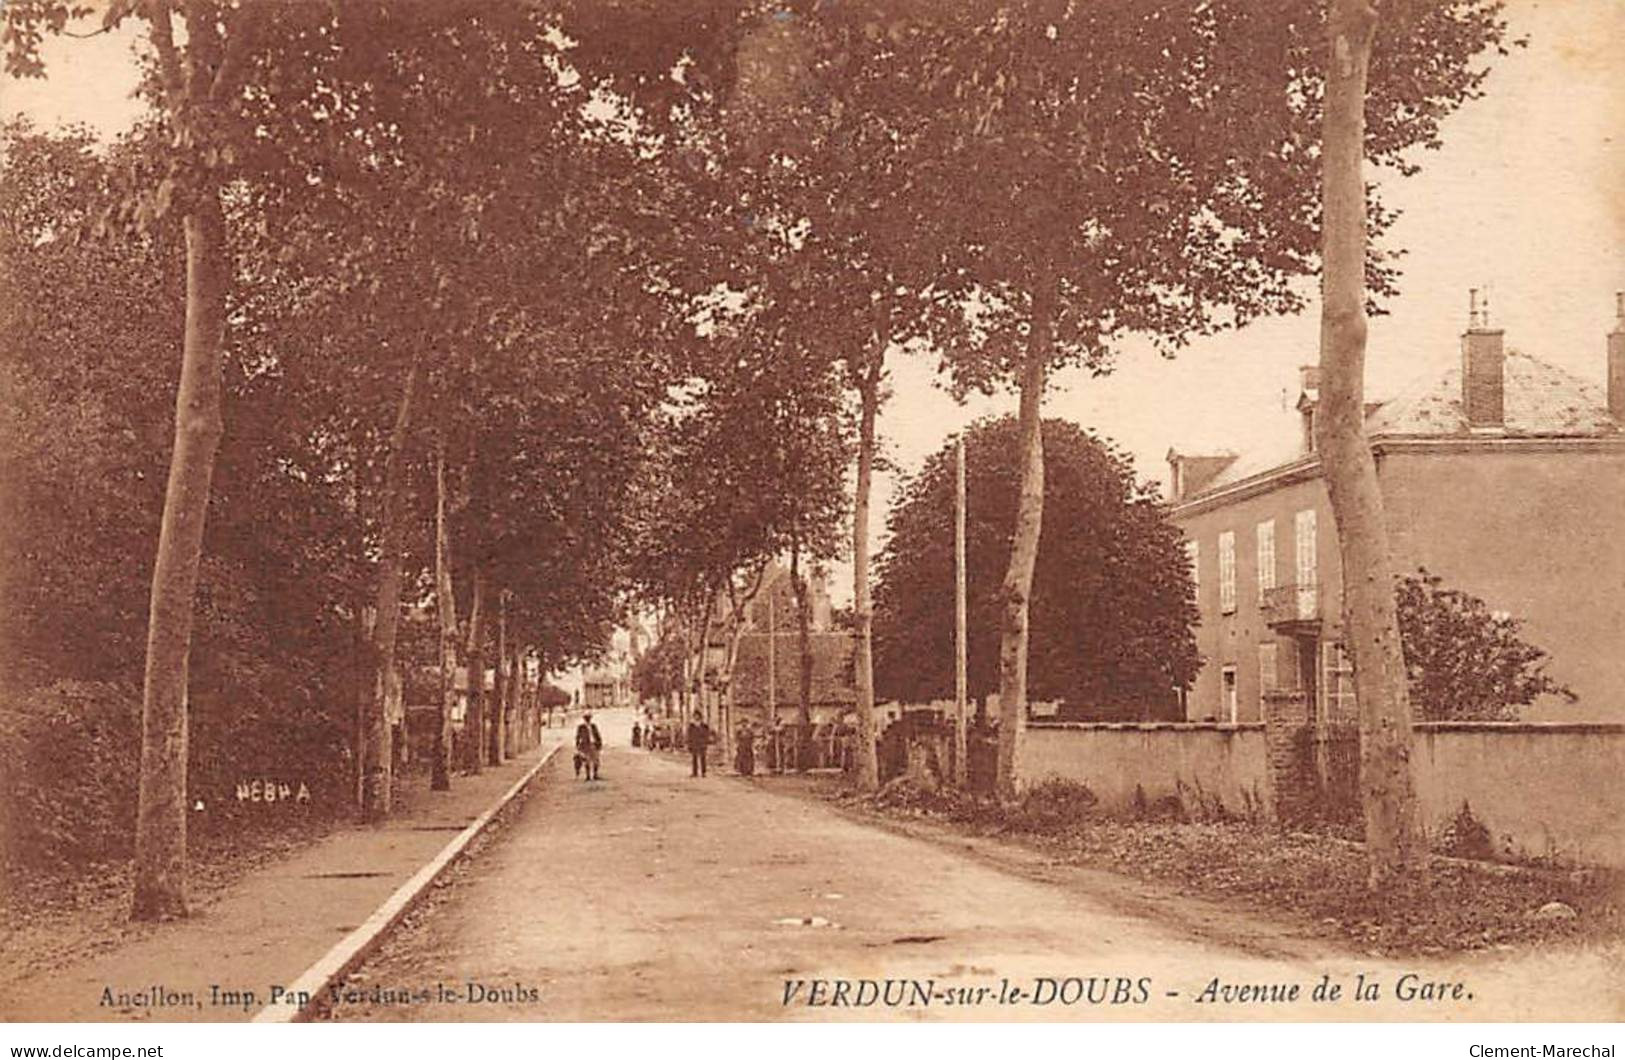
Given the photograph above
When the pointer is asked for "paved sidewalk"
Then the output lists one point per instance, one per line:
(225, 962)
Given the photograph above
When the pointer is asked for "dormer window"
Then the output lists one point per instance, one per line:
(1306, 409)
(1308, 397)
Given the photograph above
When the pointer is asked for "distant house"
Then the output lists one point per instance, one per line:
(602, 689)
(1505, 476)
(767, 677)
(772, 607)
(775, 602)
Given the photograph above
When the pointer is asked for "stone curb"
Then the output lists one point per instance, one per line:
(360, 943)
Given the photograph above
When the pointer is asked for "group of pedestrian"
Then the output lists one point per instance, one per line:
(590, 745)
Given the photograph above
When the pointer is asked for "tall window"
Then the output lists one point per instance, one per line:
(1338, 685)
(1227, 686)
(1308, 577)
(1266, 557)
(1227, 572)
(1267, 670)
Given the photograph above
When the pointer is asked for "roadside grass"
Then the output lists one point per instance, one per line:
(1318, 879)
(51, 915)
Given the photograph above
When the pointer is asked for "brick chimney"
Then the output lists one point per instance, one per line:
(1483, 367)
(1616, 361)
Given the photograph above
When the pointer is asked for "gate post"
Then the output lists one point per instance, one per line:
(1289, 751)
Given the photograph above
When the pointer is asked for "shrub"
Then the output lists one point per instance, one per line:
(1051, 806)
(1465, 661)
(69, 760)
(1465, 836)
(1162, 808)
(70, 767)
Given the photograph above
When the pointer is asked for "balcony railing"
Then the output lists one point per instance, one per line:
(1288, 604)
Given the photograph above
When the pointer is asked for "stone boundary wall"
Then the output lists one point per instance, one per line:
(1544, 790)
(1552, 790)
(1130, 765)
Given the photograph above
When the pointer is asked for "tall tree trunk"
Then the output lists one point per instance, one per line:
(524, 700)
(725, 701)
(702, 666)
(961, 631)
(523, 703)
(378, 758)
(440, 767)
(1018, 579)
(365, 673)
(161, 807)
(730, 659)
(474, 723)
(737, 606)
(729, 717)
(798, 585)
(533, 732)
(499, 698)
(535, 737)
(513, 724)
(863, 610)
(668, 629)
(685, 689)
(1394, 849)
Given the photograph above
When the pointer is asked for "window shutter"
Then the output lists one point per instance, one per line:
(1266, 558)
(1267, 668)
(1307, 574)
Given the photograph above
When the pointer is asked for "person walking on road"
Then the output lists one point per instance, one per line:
(589, 745)
(699, 736)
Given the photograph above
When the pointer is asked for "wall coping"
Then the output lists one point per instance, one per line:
(1587, 727)
(1149, 726)
(1597, 728)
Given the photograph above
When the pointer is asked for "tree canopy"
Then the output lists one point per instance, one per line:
(564, 302)
(1113, 605)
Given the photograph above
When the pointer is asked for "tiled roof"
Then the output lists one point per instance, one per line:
(1541, 401)
(831, 676)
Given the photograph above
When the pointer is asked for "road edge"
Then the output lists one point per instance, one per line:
(360, 943)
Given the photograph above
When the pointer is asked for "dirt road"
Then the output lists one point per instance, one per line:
(654, 896)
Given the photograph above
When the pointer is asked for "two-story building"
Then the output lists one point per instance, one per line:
(1506, 477)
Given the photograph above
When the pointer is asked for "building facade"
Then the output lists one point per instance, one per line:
(1505, 477)
(603, 689)
(767, 678)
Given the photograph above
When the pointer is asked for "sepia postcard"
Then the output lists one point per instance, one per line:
(817, 511)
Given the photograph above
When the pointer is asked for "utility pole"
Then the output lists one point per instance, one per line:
(961, 743)
(772, 663)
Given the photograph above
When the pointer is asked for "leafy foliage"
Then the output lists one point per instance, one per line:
(1112, 605)
(86, 351)
(1465, 661)
(644, 247)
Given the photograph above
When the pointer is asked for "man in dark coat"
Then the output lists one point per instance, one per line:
(589, 745)
(699, 737)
